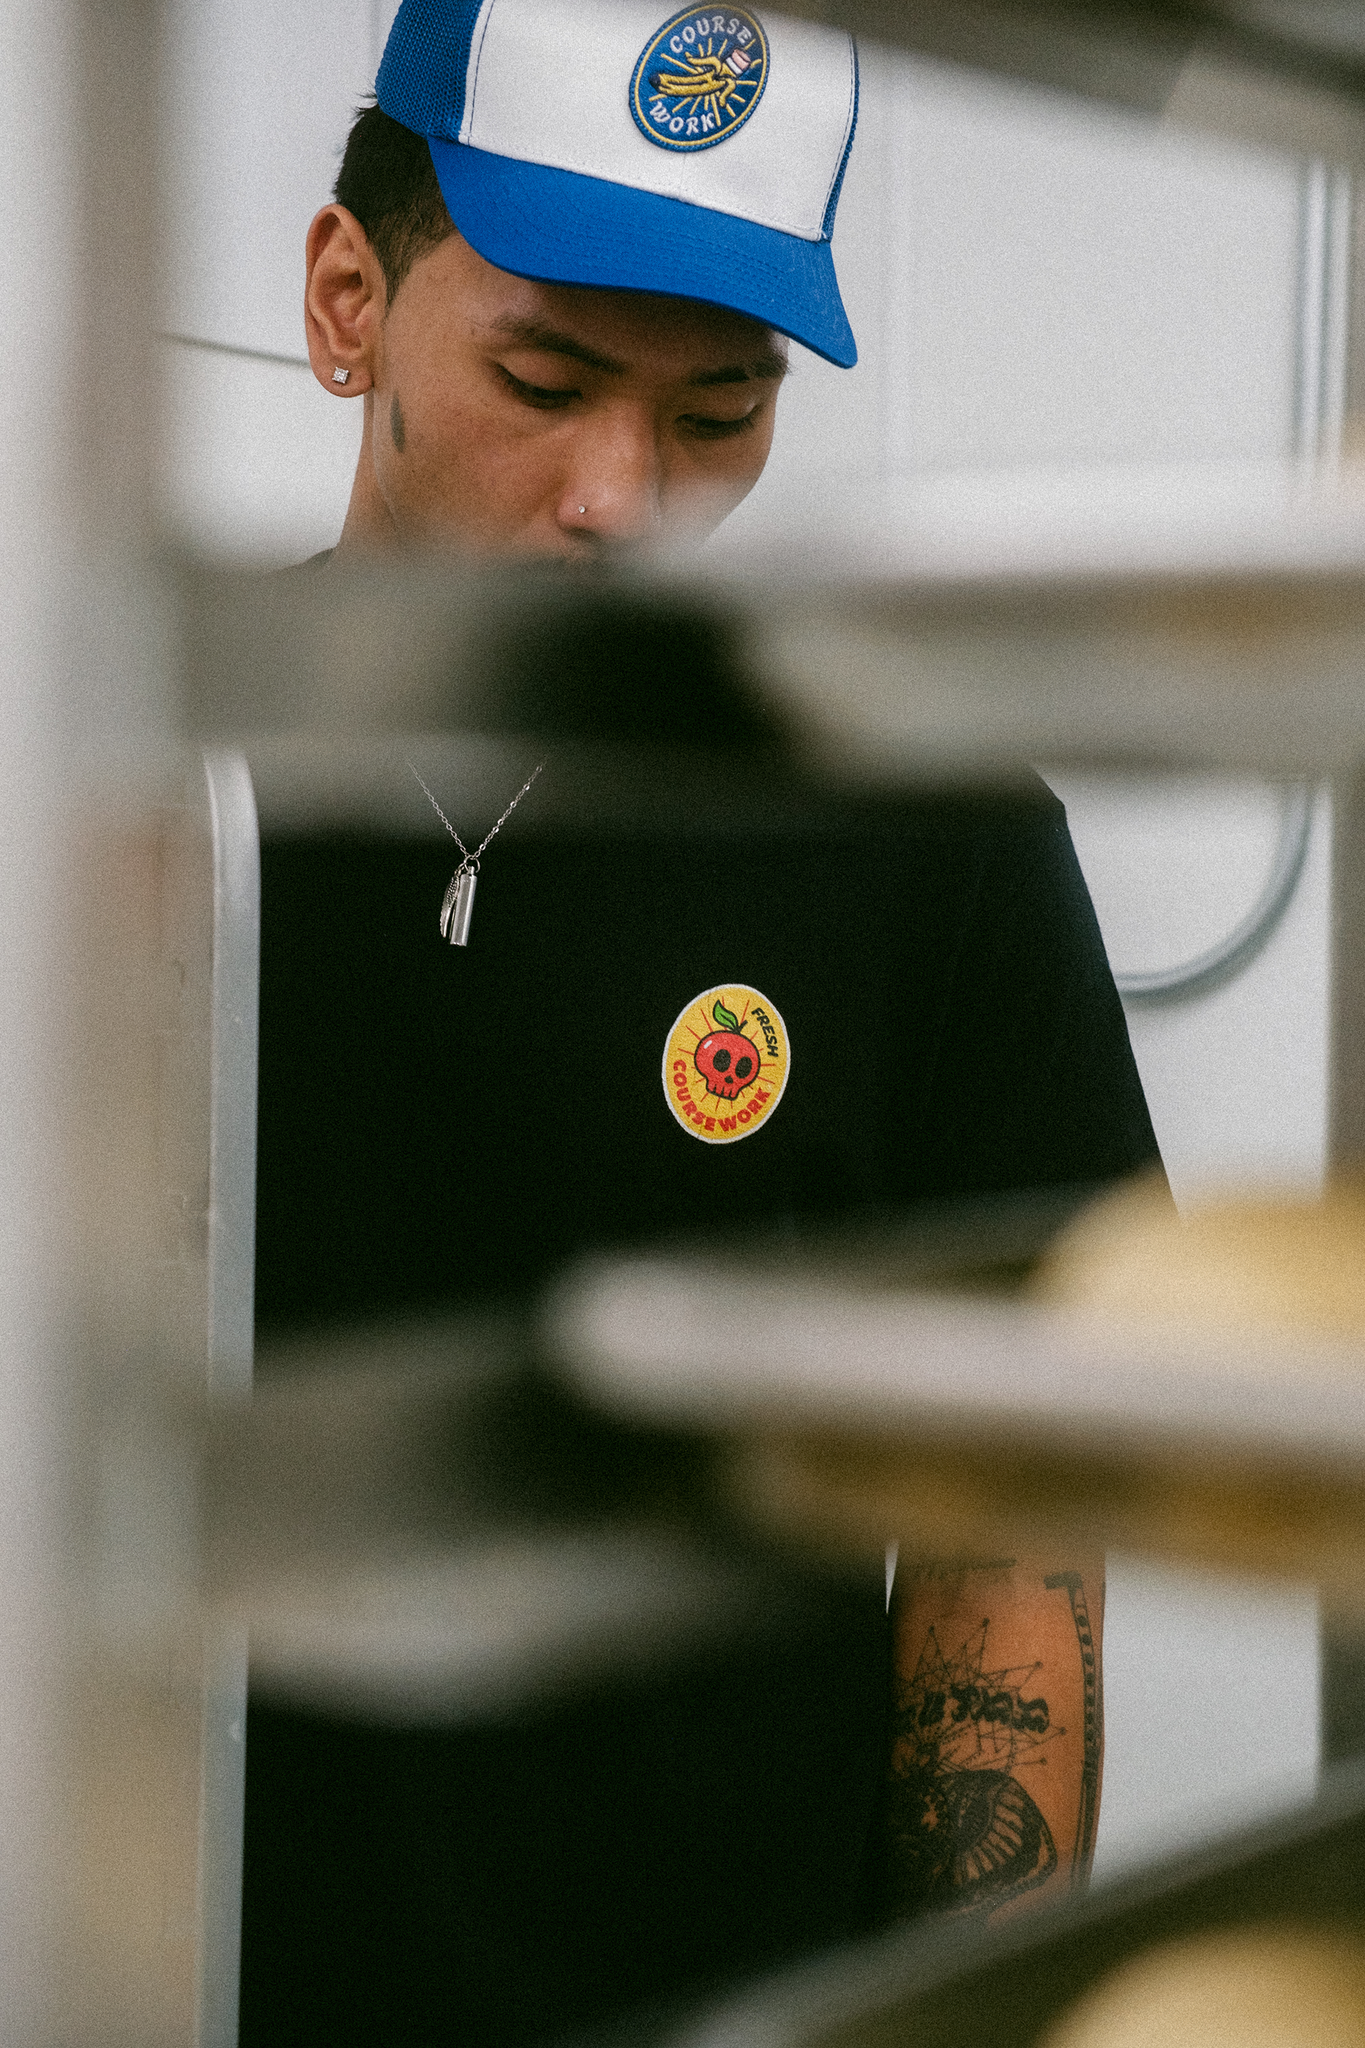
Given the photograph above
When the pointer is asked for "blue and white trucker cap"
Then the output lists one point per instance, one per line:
(589, 142)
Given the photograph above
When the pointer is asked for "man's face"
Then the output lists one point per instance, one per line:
(511, 417)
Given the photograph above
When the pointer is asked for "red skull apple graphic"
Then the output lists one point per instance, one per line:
(726, 1060)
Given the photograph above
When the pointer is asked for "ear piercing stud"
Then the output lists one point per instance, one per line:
(340, 376)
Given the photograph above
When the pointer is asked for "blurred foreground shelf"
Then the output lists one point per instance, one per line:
(1299, 1883)
(855, 1416)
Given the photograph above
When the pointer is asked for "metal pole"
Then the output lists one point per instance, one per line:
(37, 204)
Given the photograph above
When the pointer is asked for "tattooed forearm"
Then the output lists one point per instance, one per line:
(996, 1737)
(962, 1829)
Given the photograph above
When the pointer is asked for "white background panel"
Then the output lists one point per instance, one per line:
(1033, 281)
(1210, 1708)
(1082, 285)
(258, 458)
(830, 422)
(261, 96)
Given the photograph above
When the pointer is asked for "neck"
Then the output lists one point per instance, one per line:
(370, 526)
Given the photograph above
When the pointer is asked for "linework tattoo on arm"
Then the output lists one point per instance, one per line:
(963, 1829)
(987, 1775)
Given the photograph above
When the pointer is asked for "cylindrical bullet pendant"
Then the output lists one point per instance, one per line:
(455, 923)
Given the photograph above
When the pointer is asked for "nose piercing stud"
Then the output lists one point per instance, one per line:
(581, 510)
(340, 376)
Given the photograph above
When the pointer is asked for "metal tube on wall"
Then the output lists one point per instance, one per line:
(115, 395)
(1346, 1098)
(36, 193)
(106, 906)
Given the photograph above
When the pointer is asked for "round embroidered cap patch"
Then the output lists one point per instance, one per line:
(700, 77)
(726, 1063)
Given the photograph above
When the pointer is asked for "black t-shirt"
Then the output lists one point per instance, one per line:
(444, 1126)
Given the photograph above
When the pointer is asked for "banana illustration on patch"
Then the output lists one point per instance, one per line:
(706, 78)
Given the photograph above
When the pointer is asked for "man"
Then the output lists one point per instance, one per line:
(567, 249)
(641, 212)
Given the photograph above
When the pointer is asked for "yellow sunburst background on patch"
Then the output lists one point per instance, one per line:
(700, 1048)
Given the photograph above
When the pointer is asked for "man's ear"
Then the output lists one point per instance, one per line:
(344, 303)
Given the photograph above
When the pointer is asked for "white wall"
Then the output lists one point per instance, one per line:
(1034, 281)
(1041, 290)
(1210, 1708)
(260, 97)
(257, 459)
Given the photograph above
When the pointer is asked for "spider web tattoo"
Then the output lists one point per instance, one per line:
(962, 1831)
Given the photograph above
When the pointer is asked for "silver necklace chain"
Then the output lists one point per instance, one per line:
(471, 860)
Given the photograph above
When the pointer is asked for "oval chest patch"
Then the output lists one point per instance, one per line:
(726, 1062)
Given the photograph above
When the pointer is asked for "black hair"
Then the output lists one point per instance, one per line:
(388, 181)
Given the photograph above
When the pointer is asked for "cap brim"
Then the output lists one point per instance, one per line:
(564, 228)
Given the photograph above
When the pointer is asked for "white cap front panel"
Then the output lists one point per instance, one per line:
(549, 83)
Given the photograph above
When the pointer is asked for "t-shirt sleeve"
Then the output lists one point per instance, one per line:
(1033, 1081)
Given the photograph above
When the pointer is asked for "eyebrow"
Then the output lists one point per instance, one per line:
(769, 367)
(531, 334)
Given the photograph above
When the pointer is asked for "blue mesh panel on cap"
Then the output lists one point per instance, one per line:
(421, 79)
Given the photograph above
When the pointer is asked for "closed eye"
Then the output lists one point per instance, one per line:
(705, 428)
(545, 398)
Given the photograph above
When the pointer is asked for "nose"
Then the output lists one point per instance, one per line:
(611, 489)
